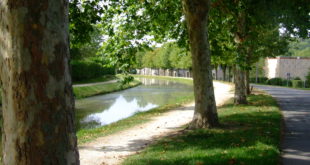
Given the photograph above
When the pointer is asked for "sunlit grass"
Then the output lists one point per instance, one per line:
(92, 90)
(249, 135)
(98, 79)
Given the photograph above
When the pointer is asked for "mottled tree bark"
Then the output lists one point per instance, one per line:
(239, 72)
(196, 13)
(240, 86)
(38, 104)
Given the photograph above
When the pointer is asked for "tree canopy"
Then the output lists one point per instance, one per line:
(167, 56)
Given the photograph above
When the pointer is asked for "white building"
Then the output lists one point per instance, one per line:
(285, 67)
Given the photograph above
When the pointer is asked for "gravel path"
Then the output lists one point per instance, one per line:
(113, 149)
(295, 105)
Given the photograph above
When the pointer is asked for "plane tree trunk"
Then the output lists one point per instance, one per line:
(239, 72)
(240, 86)
(196, 13)
(38, 103)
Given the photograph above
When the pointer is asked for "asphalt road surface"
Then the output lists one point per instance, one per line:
(295, 105)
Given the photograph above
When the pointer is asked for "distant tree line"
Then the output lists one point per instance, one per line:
(299, 48)
(167, 56)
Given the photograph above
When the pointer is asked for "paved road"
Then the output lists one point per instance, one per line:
(295, 105)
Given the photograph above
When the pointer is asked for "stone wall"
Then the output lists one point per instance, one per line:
(287, 66)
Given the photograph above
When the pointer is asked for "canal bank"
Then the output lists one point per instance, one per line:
(105, 114)
(113, 148)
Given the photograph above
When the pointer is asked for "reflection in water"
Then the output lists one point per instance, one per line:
(105, 109)
(121, 109)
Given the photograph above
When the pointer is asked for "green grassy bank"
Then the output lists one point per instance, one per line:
(92, 90)
(98, 79)
(249, 135)
(86, 91)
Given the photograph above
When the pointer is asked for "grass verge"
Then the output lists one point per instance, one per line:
(92, 90)
(96, 89)
(281, 86)
(139, 118)
(249, 135)
(98, 79)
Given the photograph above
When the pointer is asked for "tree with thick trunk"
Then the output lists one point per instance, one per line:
(239, 71)
(196, 15)
(38, 104)
(240, 86)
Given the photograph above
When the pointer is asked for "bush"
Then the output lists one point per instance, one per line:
(84, 70)
(286, 82)
(260, 80)
(308, 80)
(275, 81)
(307, 84)
(297, 83)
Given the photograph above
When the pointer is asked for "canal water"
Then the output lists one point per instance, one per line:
(105, 109)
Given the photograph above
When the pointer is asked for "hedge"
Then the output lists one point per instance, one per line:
(297, 84)
(286, 82)
(84, 70)
(275, 81)
(261, 80)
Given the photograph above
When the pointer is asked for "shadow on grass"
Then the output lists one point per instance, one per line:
(249, 134)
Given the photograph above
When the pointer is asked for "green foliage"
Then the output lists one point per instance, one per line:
(96, 80)
(260, 80)
(259, 66)
(297, 84)
(308, 78)
(286, 82)
(92, 90)
(89, 49)
(83, 14)
(250, 134)
(131, 27)
(165, 57)
(125, 80)
(87, 69)
(294, 17)
(299, 48)
(275, 81)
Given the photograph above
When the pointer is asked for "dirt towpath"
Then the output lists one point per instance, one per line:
(112, 149)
